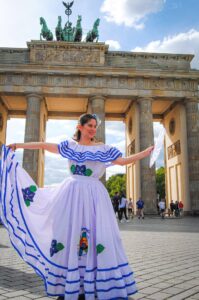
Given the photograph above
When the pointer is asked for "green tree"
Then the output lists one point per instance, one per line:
(160, 182)
(116, 183)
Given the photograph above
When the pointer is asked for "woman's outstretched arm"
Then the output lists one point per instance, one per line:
(35, 145)
(122, 161)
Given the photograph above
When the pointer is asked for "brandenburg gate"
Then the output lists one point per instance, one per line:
(61, 80)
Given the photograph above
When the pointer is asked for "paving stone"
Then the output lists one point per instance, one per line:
(195, 297)
(173, 290)
(15, 294)
(162, 285)
(158, 296)
(183, 295)
(150, 290)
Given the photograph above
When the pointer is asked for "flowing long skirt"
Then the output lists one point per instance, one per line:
(67, 233)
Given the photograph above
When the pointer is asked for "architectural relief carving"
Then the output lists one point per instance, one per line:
(63, 56)
(174, 150)
(131, 148)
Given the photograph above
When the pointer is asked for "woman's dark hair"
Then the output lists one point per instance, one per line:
(83, 119)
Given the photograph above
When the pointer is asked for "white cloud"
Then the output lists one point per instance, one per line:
(185, 43)
(113, 45)
(15, 135)
(131, 13)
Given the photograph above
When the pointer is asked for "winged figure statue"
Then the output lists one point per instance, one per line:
(68, 5)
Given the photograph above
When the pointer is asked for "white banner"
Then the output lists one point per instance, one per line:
(157, 148)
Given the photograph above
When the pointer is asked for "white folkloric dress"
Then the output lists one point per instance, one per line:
(68, 233)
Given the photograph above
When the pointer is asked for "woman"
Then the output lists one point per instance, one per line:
(69, 233)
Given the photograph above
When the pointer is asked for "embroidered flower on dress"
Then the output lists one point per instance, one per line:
(81, 170)
(83, 243)
(55, 247)
(100, 248)
(28, 194)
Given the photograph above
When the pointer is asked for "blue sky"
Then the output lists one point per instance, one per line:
(170, 26)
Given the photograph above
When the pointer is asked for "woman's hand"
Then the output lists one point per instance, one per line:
(12, 146)
(148, 151)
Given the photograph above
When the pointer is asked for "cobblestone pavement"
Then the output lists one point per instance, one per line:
(164, 255)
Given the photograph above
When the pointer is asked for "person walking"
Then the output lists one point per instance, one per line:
(140, 208)
(68, 233)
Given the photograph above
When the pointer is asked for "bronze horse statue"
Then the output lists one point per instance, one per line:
(93, 34)
(78, 30)
(58, 29)
(45, 32)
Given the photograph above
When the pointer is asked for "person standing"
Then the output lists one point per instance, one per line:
(180, 206)
(116, 202)
(130, 208)
(172, 207)
(177, 212)
(162, 207)
(140, 208)
(122, 208)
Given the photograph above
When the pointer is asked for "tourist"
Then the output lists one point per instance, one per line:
(177, 211)
(116, 201)
(122, 208)
(130, 208)
(180, 206)
(162, 207)
(140, 208)
(172, 207)
(68, 233)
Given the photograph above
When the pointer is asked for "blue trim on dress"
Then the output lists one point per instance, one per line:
(28, 231)
(108, 156)
(109, 279)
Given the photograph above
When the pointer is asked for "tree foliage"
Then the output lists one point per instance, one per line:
(160, 182)
(116, 183)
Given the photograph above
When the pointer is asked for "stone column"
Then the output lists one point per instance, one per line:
(147, 175)
(98, 107)
(3, 123)
(32, 134)
(192, 116)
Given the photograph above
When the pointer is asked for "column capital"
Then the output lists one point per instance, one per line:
(139, 100)
(38, 96)
(188, 100)
(96, 97)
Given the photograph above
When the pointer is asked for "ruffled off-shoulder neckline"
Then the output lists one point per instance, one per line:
(72, 150)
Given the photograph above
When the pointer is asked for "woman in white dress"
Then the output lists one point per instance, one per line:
(69, 233)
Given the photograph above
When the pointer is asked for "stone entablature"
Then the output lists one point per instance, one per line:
(143, 60)
(92, 54)
(14, 55)
(118, 84)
